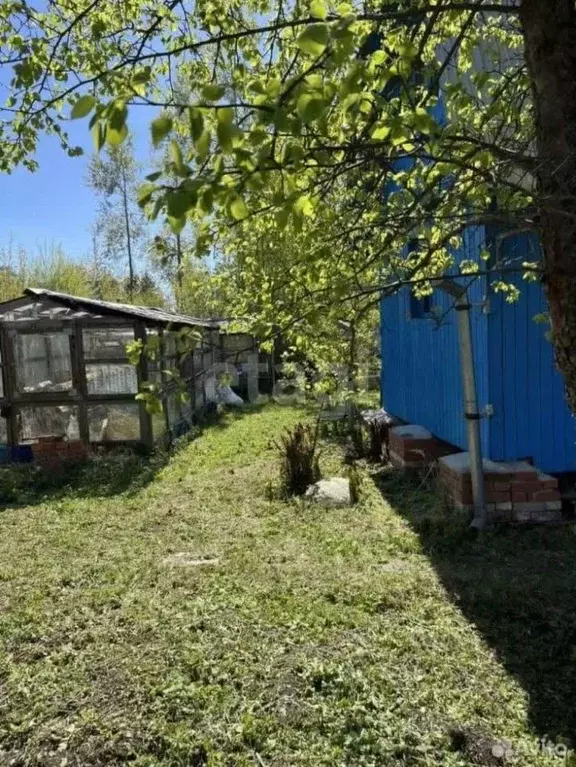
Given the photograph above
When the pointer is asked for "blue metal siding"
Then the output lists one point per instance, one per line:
(531, 417)
(421, 376)
(515, 370)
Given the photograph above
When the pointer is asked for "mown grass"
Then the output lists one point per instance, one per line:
(359, 636)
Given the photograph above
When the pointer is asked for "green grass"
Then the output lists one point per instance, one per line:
(358, 636)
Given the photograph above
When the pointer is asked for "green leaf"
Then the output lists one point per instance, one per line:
(160, 128)
(176, 154)
(115, 136)
(176, 224)
(310, 107)
(98, 136)
(142, 77)
(145, 193)
(213, 92)
(238, 208)
(83, 107)
(304, 205)
(313, 39)
(206, 201)
(179, 202)
(318, 9)
(380, 132)
(282, 218)
(225, 129)
(117, 113)
(219, 165)
(203, 145)
(196, 123)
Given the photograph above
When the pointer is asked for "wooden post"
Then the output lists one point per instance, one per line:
(80, 381)
(163, 382)
(7, 349)
(146, 434)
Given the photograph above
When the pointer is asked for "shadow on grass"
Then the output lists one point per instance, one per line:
(118, 470)
(517, 586)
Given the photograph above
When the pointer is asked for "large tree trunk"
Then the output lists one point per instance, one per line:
(549, 28)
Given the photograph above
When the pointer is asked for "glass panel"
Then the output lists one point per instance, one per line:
(154, 372)
(111, 379)
(106, 343)
(237, 348)
(47, 421)
(43, 362)
(114, 422)
(169, 344)
(3, 432)
(173, 409)
(158, 425)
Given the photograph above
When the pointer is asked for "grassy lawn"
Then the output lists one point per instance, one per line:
(383, 634)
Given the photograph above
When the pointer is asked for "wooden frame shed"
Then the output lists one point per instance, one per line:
(64, 371)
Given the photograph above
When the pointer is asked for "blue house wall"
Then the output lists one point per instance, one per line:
(515, 371)
(531, 417)
(421, 377)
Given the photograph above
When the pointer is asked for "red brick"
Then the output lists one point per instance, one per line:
(464, 497)
(547, 482)
(545, 495)
(518, 494)
(500, 487)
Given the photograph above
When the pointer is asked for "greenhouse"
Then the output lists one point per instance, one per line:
(66, 377)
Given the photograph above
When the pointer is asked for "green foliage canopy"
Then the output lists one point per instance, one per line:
(294, 120)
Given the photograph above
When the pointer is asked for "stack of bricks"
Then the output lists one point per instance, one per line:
(514, 491)
(54, 454)
(414, 447)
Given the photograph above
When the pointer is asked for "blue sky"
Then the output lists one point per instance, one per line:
(54, 205)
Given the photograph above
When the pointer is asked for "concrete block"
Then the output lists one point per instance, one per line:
(530, 506)
(544, 516)
(547, 482)
(520, 469)
(460, 464)
(546, 495)
(554, 505)
(411, 431)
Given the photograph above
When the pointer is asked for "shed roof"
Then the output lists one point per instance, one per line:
(149, 315)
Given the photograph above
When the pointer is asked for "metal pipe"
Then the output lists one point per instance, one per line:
(471, 412)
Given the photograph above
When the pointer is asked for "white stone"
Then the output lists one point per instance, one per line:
(530, 506)
(460, 463)
(185, 559)
(330, 492)
(411, 431)
(518, 467)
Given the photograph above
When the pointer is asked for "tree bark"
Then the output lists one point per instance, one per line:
(549, 30)
(128, 234)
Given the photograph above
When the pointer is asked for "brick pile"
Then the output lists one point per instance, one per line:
(514, 491)
(54, 455)
(414, 447)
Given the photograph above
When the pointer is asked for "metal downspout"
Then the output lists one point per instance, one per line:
(471, 411)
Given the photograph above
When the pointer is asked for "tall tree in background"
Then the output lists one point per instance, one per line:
(300, 114)
(168, 252)
(120, 225)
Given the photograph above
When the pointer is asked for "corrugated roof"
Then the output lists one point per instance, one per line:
(147, 314)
